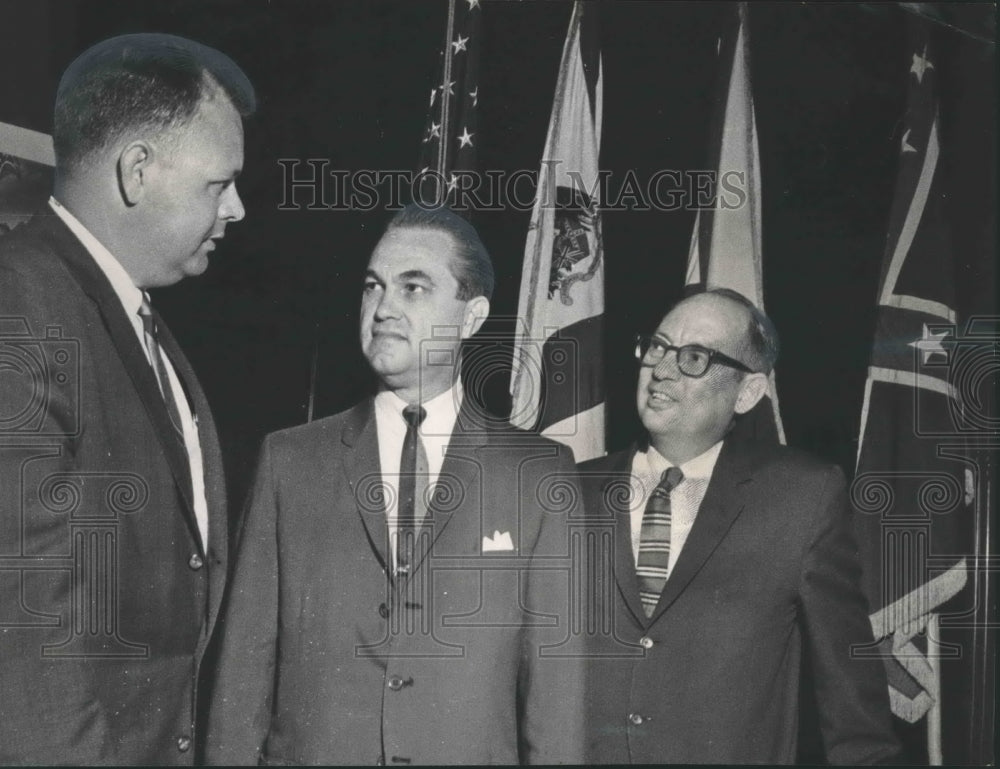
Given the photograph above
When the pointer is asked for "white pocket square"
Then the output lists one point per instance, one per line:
(497, 542)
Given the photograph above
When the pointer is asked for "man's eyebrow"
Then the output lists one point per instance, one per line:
(370, 273)
(415, 275)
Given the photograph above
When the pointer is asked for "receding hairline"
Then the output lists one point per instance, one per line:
(455, 258)
(741, 339)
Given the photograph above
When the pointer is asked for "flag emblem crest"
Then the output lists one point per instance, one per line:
(573, 259)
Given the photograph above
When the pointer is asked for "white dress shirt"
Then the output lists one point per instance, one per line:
(434, 433)
(131, 298)
(647, 469)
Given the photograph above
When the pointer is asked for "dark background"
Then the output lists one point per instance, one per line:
(348, 82)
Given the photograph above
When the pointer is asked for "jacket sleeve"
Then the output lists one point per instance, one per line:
(551, 681)
(851, 690)
(240, 711)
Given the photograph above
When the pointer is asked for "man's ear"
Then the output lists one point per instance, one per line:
(133, 164)
(477, 310)
(752, 389)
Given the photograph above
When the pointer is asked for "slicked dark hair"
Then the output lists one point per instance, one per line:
(761, 343)
(471, 267)
(147, 81)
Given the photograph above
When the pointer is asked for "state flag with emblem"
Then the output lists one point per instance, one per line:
(913, 489)
(557, 382)
(448, 145)
(726, 243)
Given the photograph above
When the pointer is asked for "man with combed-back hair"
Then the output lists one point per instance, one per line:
(113, 518)
(733, 572)
(400, 590)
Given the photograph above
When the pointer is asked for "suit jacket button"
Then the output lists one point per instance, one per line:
(195, 562)
(646, 642)
(395, 683)
(383, 610)
(183, 744)
(635, 719)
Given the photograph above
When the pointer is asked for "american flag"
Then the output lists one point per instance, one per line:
(450, 136)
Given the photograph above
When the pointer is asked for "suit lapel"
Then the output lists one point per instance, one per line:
(723, 502)
(364, 476)
(213, 469)
(611, 496)
(460, 473)
(94, 283)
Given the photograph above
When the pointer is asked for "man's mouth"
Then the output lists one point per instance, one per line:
(658, 397)
(388, 334)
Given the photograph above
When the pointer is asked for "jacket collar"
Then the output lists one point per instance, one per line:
(720, 508)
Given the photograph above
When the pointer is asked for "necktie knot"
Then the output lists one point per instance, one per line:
(146, 316)
(671, 479)
(414, 415)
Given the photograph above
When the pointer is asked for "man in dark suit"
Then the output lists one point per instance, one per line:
(390, 603)
(733, 569)
(112, 497)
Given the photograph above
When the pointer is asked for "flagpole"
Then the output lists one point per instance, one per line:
(934, 755)
(313, 365)
(442, 162)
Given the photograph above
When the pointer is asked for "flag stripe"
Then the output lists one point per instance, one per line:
(27, 144)
(571, 381)
(913, 215)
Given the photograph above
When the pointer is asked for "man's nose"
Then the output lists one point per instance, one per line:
(230, 206)
(667, 367)
(386, 306)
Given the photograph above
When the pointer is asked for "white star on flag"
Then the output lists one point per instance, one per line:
(465, 139)
(474, 93)
(451, 91)
(472, 4)
(459, 43)
(931, 344)
(920, 64)
(434, 131)
(906, 146)
(452, 183)
(434, 93)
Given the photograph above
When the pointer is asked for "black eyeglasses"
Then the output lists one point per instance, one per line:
(693, 360)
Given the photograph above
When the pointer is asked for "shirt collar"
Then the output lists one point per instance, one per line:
(442, 410)
(129, 295)
(700, 466)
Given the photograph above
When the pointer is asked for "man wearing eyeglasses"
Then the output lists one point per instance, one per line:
(733, 574)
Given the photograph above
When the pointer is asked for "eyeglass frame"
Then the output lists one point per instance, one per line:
(714, 356)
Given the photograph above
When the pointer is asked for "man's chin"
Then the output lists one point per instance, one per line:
(196, 265)
(387, 367)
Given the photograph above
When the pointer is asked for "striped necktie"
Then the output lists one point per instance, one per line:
(159, 365)
(654, 542)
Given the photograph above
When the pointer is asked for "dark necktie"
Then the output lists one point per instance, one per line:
(412, 487)
(159, 365)
(654, 542)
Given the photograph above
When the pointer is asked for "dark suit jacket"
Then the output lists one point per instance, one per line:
(106, 598)
(325, 659)
(767, 582)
